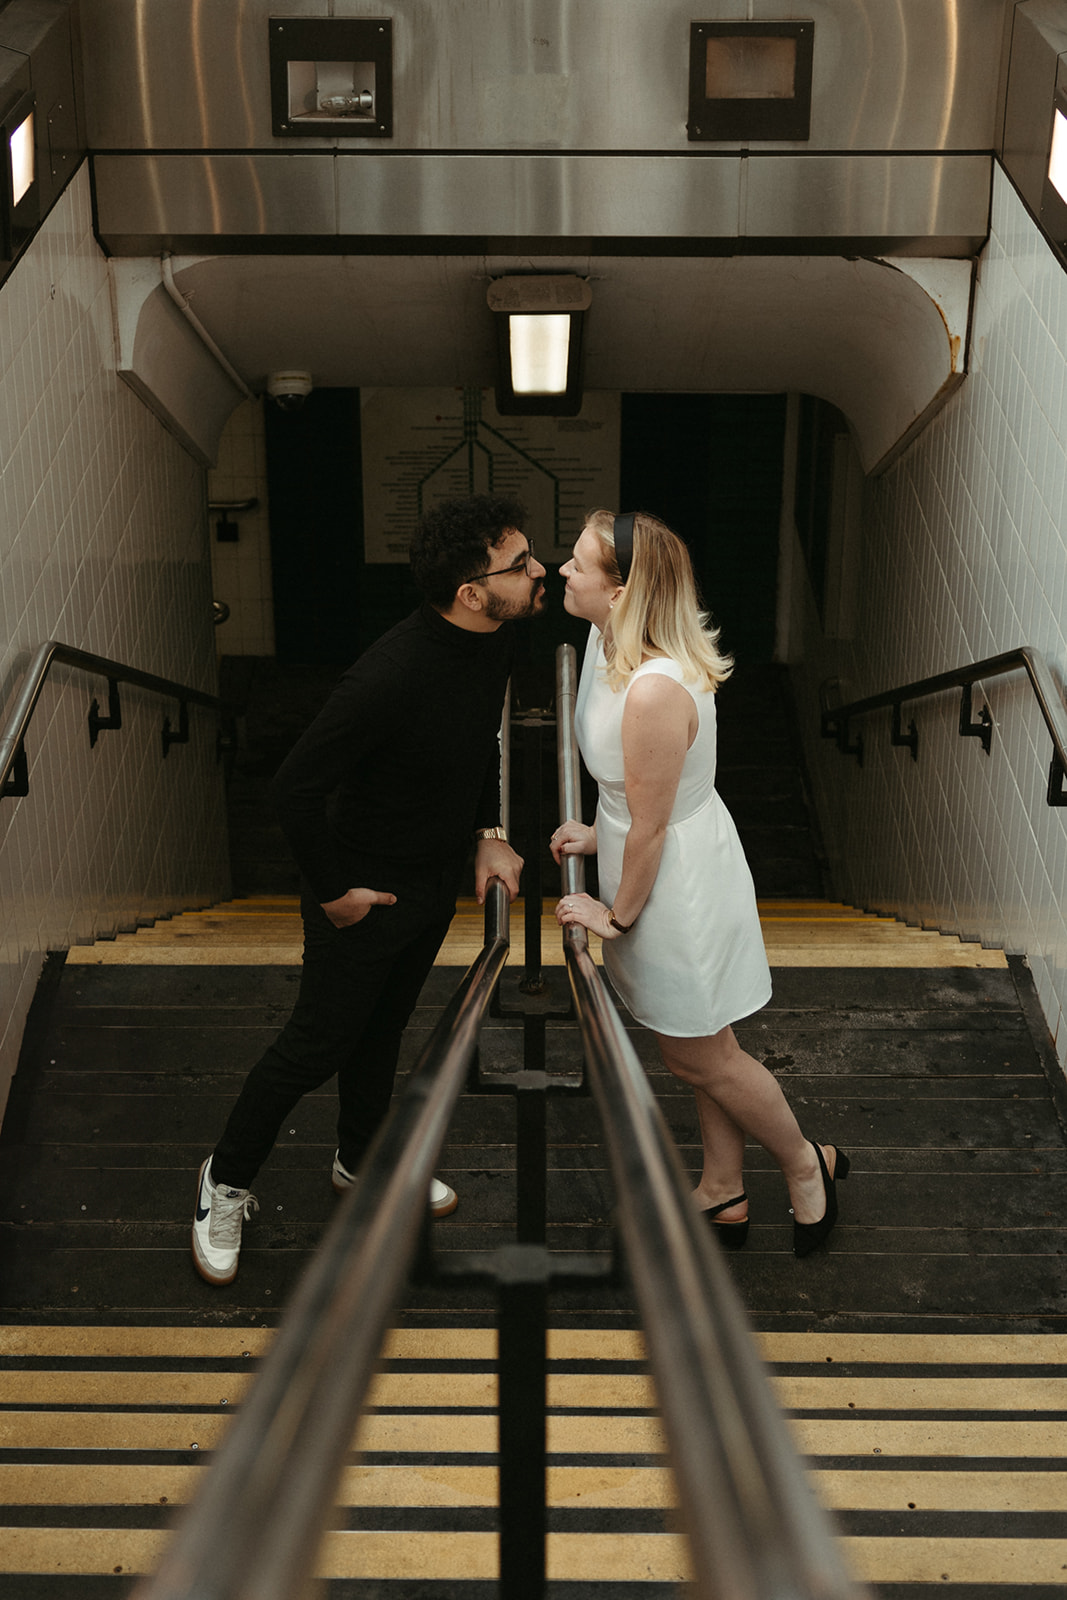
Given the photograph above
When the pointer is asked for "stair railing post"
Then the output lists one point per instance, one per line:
(533, 980)
(523, 1279)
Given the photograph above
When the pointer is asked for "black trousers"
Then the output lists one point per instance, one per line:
(358, 988)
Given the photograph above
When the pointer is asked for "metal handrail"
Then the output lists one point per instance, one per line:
(12, 740)
(755, 1530)
(255, 1526)
(836, 719)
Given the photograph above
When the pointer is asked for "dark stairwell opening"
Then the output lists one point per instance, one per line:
(709, 465)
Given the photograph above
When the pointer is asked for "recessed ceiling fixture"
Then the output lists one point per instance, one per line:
(20, 145)
(1053, 213)
(539, 321)
(19, 190)
(1057, 161)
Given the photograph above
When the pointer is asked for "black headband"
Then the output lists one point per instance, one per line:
(622, 532)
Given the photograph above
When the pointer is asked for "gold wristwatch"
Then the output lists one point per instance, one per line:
(491, 833)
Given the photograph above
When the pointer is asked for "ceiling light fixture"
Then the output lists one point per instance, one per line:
(19, 196)
(20, 145)
(539, 322)
(1057, 161)
(539, 348)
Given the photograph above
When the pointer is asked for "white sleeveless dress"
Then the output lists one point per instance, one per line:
(694, 960)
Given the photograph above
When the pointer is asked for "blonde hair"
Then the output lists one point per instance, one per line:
(658, 612)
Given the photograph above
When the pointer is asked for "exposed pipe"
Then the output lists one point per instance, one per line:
(198, 327)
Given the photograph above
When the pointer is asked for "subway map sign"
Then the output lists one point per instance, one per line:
(421, 446)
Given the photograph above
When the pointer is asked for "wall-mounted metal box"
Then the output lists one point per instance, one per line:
(331, 77)
(750, 80)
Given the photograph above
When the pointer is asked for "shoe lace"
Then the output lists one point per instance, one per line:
(228, 1213)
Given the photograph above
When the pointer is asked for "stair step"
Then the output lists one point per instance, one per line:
(922, 1360)
(797, 933)
(941, 1456)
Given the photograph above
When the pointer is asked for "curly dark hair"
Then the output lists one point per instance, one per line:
(451, 543)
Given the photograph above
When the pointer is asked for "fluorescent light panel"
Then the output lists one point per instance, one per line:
(1057, 161)
(21, 147)
(539, 349)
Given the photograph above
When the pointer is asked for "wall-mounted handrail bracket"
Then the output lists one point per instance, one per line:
(182, 735)
(834, 724)
(14, 771)
(99, 724)
(969, 729)
(17, 782)
(911, 738)
(847, 749)
(1046, 691)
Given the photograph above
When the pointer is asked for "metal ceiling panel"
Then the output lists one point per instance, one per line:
(546, 197)
(150, 202)
(924, 197)
(158, 198)
(566, 75)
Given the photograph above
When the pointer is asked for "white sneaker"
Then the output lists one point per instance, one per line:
(217, 1223)
(340, 1177)
(443, 1200)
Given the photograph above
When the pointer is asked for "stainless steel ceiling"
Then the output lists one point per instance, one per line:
(520, 126)
(565, 75)
(547, 134)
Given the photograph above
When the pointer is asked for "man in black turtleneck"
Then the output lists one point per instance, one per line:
(379, 801)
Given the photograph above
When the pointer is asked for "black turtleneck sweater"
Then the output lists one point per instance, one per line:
(402, 763)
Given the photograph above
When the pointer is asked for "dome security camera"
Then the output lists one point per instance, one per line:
(289, 389)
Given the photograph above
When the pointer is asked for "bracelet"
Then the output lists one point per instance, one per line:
(616, 924)
(491, 833)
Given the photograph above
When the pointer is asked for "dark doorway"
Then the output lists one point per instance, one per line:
(711, 466)
(328, 603)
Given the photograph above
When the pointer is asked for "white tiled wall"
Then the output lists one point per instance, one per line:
(102, 546)
(242, 570)
(964, 556)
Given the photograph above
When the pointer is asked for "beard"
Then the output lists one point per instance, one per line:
(498, 610)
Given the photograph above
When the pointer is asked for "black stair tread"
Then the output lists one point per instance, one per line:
(939, 1171)
(946, 1046)
(215, 1078)
(837, 1118)
(294, 1216)
(933, 1190)
(155, 990)
(890, 1283)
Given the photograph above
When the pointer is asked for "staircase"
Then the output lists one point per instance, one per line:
(922, 1360)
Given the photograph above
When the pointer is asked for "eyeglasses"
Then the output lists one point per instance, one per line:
(521, 565)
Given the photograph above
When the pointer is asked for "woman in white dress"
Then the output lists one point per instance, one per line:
(681, 931)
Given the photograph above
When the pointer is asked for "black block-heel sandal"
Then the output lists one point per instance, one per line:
(807, 1236)
(731, 1235)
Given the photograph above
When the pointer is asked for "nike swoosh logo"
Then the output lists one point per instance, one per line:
(201, 1211)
